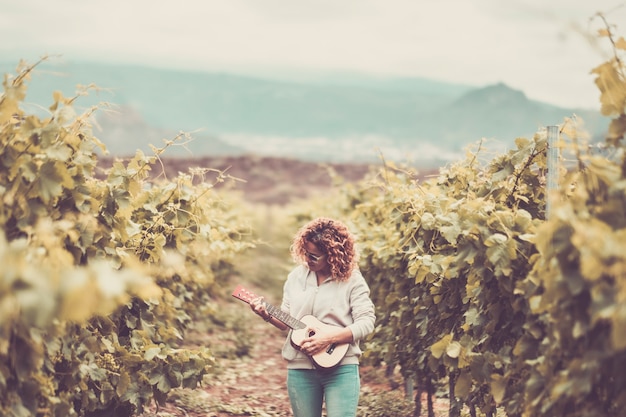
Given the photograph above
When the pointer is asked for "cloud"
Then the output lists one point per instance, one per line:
(529, 44)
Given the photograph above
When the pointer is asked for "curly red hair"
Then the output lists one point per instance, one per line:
(334, 239)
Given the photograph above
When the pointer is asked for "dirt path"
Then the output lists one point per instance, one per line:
(250, 385)
(254, 385)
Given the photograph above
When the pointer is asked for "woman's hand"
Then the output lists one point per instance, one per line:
(316, 342)
(258, 306)
(319, 340)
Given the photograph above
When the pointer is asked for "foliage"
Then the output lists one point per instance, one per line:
(444, 260)
(611, 81)
(580, 300)
(103, 275)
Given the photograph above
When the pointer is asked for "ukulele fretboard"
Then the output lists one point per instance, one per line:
(284, 317)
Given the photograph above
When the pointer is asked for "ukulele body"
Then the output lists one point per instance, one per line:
(327, 358)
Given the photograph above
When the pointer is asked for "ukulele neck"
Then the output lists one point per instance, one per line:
(284, 317)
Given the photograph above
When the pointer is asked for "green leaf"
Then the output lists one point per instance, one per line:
(107, 393)
(123, 383)
(428, 221)
(496, 239)
(151, 353)
(93, 371)
(463, 385)
(53, 177)
(59, 152)
(500, 251)
(163, 384)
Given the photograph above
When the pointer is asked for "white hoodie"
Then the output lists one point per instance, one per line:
(339, 303)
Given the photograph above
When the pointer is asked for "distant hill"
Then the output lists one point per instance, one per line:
(333, 117)
(501, 113)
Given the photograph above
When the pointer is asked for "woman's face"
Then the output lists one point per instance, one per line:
(316, 260)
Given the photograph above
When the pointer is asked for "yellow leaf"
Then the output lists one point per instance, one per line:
(421, 273)
(57, 96)
(81, 297)
(439, 347)
(617, 128)
(609, 173)
(618, 328)
(464, 360)
(621, 43)
(613, 93)
(498, 387)
(123, 383)
(134, 187)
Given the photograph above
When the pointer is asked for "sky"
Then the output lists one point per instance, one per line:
(545, 48)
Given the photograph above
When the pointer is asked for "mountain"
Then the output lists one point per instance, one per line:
(332, 117)
(501, 113)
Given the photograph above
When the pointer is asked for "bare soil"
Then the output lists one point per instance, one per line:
(270, 180)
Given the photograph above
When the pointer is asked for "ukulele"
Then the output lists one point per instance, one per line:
(301, 329)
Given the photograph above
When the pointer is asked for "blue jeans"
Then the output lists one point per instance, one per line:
(339, 386)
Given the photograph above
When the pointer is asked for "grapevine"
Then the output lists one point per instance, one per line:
(104, 273)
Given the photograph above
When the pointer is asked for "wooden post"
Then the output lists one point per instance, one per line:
(553, 166)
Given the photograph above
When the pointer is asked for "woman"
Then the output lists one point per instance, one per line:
(328, 286)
